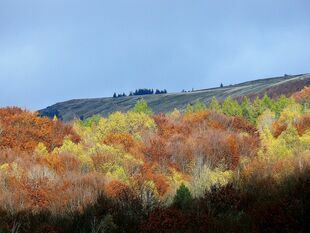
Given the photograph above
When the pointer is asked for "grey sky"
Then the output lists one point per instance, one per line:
(55, 50)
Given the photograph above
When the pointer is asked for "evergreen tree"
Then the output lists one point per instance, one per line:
(214, 105)
(231, 107)
(183, 197)
(281, 103)
(268, 103)
(258, 107)
(247, 110)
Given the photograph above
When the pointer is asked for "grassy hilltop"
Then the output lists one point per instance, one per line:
(85, 108)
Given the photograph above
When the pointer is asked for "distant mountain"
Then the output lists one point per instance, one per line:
(84, 108)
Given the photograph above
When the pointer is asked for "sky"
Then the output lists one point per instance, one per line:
(56, 50)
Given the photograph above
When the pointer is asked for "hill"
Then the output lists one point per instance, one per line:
(83, 108)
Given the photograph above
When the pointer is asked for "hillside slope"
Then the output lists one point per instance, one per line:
(83, 108)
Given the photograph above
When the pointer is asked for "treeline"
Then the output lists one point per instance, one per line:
(251, 110)
(142, 92)
(202, 169)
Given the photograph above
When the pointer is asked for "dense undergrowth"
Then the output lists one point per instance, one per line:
(226, 167)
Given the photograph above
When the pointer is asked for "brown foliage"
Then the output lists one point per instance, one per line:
(151, 171)
(303, 124)
(125, 141)
(167, 127)
(212, 136)
(116, 189)
(22, 130)
(303, 95)
(239, 124)
(277, 128)
(156, 150)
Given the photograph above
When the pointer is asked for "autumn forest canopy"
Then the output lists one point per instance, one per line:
(232, 166)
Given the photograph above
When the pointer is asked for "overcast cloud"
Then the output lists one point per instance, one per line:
(55, 50)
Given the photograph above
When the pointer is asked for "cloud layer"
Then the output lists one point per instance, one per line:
(56, 50)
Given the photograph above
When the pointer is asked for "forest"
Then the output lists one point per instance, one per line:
(231, 166)
(141, 92)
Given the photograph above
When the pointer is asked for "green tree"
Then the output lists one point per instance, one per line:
(281, 103)
(183, 197)
(142, 107)
(199, 106)
(268, 103)
(214, 105)
(91, 121)
(258, 107)
(231, 107)
(247, 110)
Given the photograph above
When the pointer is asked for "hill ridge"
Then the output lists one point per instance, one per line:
(86, 107)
